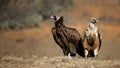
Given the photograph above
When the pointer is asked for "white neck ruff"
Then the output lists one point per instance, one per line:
(92, 29)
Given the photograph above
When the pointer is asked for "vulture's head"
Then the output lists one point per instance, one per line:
(93, 20)
(57, 18)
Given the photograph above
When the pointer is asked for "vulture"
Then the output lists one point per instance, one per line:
(69, 39)
(92, 39)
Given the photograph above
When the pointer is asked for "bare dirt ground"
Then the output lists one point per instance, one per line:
(35, 48)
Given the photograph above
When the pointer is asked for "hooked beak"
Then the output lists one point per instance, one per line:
(51, 17)
(97, 21)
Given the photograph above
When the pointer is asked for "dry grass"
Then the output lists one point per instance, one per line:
(56, 62)
(26, 48)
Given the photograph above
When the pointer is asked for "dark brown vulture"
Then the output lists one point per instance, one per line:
(67, 38)
(92, 39)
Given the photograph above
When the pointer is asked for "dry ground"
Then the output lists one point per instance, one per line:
(56, 62)
(36, 48)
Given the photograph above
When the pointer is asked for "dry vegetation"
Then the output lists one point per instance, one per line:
(56, 62)
(35, 47)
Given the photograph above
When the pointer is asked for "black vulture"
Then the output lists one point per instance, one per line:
(67, 38)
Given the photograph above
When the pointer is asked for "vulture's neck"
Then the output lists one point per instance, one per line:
(92, 29)
(92, 26)
(59, 24)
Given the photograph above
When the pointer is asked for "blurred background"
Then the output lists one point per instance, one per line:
(25, 26)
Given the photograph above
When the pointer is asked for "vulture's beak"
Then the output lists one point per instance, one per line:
(52, 17)
(97, 21)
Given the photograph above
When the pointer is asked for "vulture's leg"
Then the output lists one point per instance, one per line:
(72, 49)
(65, 52)
(86, 53)
(65, 43)
(96, 52)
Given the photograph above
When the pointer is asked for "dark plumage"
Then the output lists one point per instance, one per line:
(67, 38)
